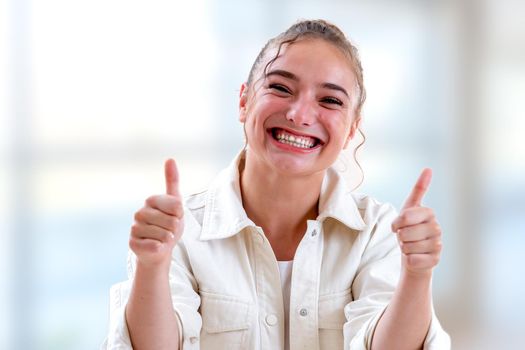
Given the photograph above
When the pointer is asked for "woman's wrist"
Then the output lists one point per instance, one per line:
(414, 281)
(152, 271)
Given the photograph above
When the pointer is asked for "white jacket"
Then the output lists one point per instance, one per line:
(225, 281)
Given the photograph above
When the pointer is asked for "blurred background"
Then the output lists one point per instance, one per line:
(94, 95)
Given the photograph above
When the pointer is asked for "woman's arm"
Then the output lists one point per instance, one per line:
(151, 319)
(406, 320)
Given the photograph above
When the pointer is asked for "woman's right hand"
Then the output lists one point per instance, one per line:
(159, 224)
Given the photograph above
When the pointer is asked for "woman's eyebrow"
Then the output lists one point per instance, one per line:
(289, 75)
(335, 87)
(282, 73)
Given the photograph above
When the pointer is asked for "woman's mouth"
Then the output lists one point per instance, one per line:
(295, 140)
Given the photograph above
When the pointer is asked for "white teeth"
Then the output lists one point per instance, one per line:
(296, 141)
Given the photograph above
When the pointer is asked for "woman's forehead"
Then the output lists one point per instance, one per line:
(309, 57)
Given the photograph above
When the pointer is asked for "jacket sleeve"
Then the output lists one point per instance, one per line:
(375, 282)
(185, 298)
(184, 295)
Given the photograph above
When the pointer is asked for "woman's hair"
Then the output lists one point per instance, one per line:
(318, 29)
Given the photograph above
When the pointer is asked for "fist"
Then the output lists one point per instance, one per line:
(159, 224)
(417, 230)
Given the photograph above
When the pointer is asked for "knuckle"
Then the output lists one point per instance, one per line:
(151, 200)
(174, 207)
(135, 228)
(173, 223)
(163, 235)
(133, 245)
(435, 259)
(139, 215)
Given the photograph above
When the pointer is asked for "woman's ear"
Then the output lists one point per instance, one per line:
(243, 99)
(355, 126)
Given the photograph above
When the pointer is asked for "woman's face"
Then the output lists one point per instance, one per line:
(299, 116)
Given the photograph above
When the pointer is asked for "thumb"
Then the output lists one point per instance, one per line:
(172, 177)
(419, 189)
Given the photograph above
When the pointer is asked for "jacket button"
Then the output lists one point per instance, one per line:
(314, 233)
(303, 312)
(271, 320)
(193, 340)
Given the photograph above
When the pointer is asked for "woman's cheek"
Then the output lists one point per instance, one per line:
(335, 120)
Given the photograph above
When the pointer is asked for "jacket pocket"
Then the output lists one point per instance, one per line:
(332, 319)
(225, 322)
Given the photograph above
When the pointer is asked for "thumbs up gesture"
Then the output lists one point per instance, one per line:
(417, 230)
(158, 225)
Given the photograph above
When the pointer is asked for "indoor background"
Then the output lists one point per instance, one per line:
(95, 95)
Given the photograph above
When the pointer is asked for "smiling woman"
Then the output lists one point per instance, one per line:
(278, 253)
(297, 98)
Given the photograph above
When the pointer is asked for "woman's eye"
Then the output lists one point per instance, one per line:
(280, 88)
(332, 100)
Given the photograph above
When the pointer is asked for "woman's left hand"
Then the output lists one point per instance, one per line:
(418, 232)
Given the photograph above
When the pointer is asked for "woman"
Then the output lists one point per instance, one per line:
(278, 253)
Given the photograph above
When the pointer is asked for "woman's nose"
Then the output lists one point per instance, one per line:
(302, 113)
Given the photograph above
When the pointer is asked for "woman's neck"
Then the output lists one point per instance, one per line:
(280, 204)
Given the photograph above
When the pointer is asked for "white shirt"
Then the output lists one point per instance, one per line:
(225, 280)
(285, 271)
